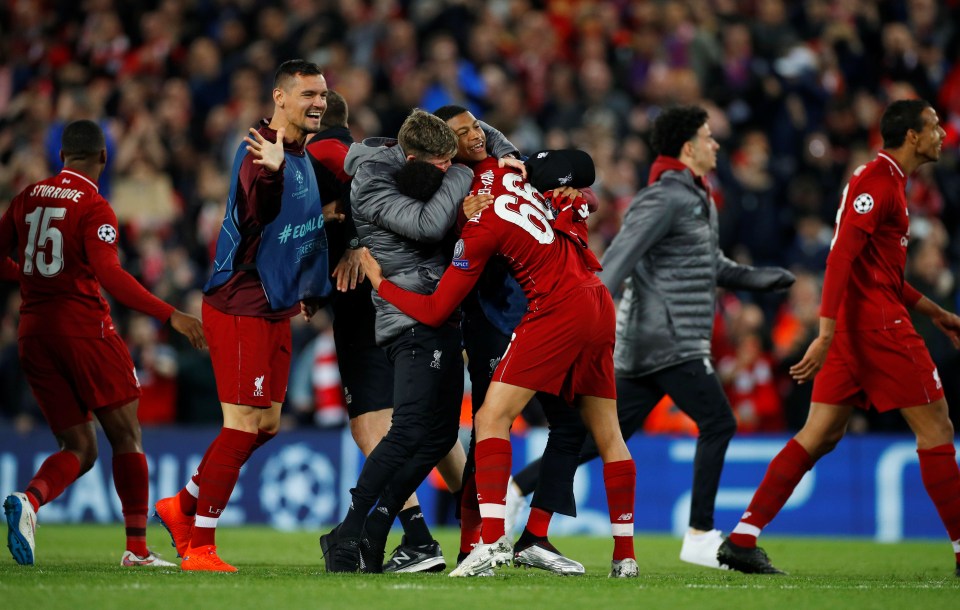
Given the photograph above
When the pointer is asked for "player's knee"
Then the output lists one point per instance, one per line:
(491, 418)
(87, 457)
(827, 443)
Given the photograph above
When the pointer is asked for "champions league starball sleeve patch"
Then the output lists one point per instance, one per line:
(107, 233)
(863, 203)
(458, 256)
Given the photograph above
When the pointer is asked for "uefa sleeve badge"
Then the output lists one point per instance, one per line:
(863, 203)
(107, 233)
(458, 259)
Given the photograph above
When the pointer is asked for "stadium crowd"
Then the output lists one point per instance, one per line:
(794, 92)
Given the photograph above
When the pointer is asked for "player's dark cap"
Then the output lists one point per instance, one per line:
(551, 169)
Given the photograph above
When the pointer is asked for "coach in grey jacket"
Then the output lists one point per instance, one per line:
(667, 252)
(405, 235)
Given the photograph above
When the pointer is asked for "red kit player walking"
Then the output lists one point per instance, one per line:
(867, 352)
(65, 236)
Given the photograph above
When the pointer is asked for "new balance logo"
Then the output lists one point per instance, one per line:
(383, 510)
(258, 386)
(746, 516)
(417, 516)
(436, 359)
(400, 557)
(625, 517)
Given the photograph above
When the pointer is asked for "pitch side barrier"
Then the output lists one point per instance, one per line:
(869, 486)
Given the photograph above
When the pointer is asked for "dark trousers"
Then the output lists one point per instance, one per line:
(695, 389)
(428, 388)
(485, 344)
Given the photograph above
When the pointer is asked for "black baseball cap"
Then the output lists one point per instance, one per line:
(551, 169)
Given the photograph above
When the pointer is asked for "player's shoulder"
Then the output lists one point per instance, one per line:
(877, 179)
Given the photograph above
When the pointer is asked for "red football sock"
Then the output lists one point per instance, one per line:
(941, 478)
(494, 457)
(620, 480)
(538, 523)
(188, 495)
(263, 437)
(469, 515)
(217, 481)
(783, 474)
(55, 474)
(130, 480)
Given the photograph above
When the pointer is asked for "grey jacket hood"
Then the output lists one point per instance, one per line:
(361, 151)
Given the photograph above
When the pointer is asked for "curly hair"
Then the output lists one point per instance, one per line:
(675, 127)
(425, 135)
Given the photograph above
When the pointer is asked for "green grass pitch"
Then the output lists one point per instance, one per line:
(77, 568)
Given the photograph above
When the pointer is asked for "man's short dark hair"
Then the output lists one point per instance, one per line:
(82, 139)
(419, 179)
(291, 68)
(675, 127)
(449, 111)
(336, 114)
(900, 117)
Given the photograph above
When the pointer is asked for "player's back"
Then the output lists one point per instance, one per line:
(55, 220)
(545, 263)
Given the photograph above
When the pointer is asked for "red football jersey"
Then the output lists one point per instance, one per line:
(872, 232)
(65, 235)
(547, 265)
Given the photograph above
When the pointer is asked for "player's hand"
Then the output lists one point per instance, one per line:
(309, 309)
(564, 191)
(514, 163)
(812, 361)
(949, 324)
(348, 272)
(371, 267)
(473, 204)
(332, 213)
(266, 153)
(190, 327)
(566, 197)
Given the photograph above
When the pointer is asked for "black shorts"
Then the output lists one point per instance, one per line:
(365, 371)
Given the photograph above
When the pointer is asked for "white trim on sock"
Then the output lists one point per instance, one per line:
(956, 545)
(192, 488)
(209, 522)
(493, 511)
(622, 529)
(747, 529)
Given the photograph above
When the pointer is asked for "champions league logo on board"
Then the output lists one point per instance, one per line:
(298, 488)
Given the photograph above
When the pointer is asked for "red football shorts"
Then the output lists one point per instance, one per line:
(251, 357)
(71, 377)
(567, 349)
(889, 369)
